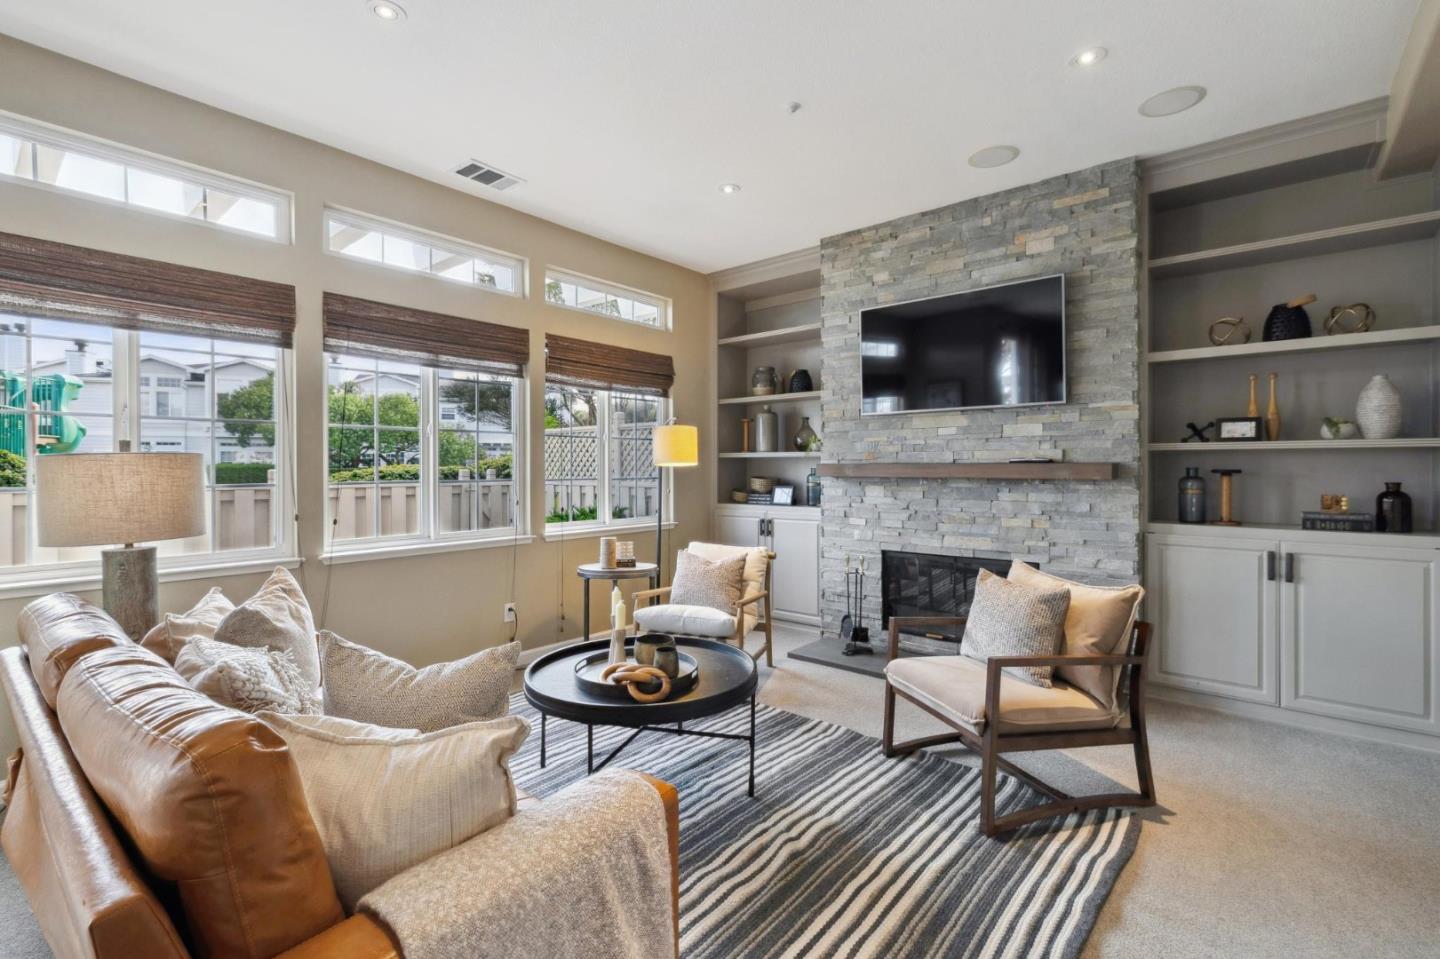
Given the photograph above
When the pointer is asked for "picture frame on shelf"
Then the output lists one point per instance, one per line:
(784, 495)
(1240, 429)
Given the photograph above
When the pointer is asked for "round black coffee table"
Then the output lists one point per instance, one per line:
(727, 679)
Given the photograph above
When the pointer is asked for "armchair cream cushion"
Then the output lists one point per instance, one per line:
(757, 558)
(682, 620)
(954, 686)
(1098, 623)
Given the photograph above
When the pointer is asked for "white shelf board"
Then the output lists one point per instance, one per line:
(773, 398)
(1345, 341)
(788, 334)
(769, 456)
(1400, 229)
(1416, 540)
(1278, 446)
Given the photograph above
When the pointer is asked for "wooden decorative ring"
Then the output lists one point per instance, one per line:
(1361, 313)
(1225, 329)
(632, 677)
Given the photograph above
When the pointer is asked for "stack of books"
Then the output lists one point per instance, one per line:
(1338, 522)
(760, 499)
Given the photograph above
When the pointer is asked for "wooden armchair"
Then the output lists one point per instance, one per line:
(701, 621)
(966, 695)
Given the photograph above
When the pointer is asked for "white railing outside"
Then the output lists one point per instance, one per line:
(460, 506)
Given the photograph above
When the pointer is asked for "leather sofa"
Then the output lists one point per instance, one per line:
(144, 819)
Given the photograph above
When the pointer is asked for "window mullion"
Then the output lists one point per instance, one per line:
(602, 457)
(429, 458)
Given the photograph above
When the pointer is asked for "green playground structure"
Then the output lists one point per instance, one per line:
(50, 395)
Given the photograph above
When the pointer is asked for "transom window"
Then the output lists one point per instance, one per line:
(75, 163)
(607, 299)
(418, 251)
(598, 464)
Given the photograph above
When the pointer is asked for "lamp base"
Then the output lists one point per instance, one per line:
(130, 588)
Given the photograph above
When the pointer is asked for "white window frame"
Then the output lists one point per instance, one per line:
(36, 132)
(620, 291)
(430, 539)
(39, 578)
(604, 522)
(518, 265)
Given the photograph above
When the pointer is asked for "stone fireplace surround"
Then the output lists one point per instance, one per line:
(1084, 224)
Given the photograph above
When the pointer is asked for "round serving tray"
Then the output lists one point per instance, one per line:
(588, 670)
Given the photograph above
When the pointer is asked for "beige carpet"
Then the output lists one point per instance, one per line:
(1268, 841)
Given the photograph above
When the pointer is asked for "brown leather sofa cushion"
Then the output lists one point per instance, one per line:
(210, 798)
(57, 630)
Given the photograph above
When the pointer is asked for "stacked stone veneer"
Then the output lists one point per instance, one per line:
(1083, 224)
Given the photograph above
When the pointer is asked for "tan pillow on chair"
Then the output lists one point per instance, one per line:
(1098, 623)
(700, 582)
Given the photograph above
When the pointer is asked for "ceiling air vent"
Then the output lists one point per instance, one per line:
(486, 175)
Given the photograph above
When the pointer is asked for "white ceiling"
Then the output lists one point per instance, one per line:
(624, 116)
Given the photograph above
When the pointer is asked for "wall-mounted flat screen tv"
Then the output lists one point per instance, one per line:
(998, 346)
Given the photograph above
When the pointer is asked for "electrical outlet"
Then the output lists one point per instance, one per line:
(509, 612)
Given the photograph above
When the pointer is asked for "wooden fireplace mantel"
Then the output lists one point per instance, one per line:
(983, 471)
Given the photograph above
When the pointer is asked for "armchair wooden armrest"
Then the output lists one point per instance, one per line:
(751, 599)
(645, 595)
(896, 622)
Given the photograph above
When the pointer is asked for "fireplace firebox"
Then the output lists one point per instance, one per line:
(926, 584)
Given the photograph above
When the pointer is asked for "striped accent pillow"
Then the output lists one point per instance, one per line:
(1008, 619)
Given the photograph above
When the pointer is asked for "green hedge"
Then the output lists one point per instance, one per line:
(410, 472)
(12, 469)
(243, 472)
(581, 514)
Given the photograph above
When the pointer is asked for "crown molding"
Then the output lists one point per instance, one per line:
(767, 270)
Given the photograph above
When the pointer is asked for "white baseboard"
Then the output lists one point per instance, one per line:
(528, 656)
(1296, 719)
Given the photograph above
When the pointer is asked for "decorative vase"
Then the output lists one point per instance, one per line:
(1378, 409)
(806, 439)
(1393, 511)
(800, 382)
(765, 382)
(767, 430)
(1253, 410)
(1335, 428)
(1289, 321)
(812, 488)
(1192, 496)
(1272, 415)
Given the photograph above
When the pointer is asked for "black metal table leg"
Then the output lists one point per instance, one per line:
(589, 749)
(542, 740)
(752, 747)
(585, 622)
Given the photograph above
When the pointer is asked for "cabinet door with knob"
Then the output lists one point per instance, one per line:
(1212, 605)
(1357, 633)
(796, 578)
(740, 527)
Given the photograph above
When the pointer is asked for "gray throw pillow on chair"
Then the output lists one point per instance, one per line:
(1008, 619)
(699, 582)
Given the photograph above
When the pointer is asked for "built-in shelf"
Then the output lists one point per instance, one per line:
(1278, 446)
(769, 456)
(992, 471)
(1400, 229)
(1338, 342)
(1421, 539)
(773, 398)
(789, 334)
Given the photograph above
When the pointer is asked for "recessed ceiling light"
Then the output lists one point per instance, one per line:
(387, 11)
(1172, 102)
(728, 188)
(993, 156)
(1088, 57)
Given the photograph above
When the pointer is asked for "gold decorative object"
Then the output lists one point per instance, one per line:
(1355, 318)
(632, 677)
(1253, 409)
(1272, 415)
(1334, 503)
(1228, 330)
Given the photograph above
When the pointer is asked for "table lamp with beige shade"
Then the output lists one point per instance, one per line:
(103, 499)
(672, 445)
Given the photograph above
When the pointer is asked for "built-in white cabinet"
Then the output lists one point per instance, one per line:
(793, 534)
(1315, 623)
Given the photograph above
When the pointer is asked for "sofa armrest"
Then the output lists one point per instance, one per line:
(359, 937)
(670, 797)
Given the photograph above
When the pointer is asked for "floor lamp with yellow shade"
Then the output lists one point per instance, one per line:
(674, 445)
(101, 499)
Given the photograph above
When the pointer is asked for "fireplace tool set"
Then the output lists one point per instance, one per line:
(855, 635)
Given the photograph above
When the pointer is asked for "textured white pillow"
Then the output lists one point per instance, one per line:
(277, 617)
(700, 582)
(249, 679)
(366, 685)
(176, 629)
(383, 803)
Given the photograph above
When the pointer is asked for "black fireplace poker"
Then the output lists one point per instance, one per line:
(852, 631)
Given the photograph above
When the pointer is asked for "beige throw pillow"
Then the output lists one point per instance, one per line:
(1098, 623)
(277, 617)
(167, 637)
(368, 686)
(757, 558)
(1007, 619)
(699, 582)
(384, 802)
(251, 680)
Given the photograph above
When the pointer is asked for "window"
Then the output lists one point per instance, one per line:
(75, 163)
(608, 299)
(414, 250)
(79, 387)
(598, 464)
(390, 481)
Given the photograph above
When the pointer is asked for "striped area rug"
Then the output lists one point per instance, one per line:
(846, 853)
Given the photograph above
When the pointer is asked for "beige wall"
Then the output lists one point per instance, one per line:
(424, 609)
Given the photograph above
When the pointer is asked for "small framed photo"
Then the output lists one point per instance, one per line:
(784, 495)
(1240, 429)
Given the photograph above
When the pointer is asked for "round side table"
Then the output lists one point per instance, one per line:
(593, 571)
